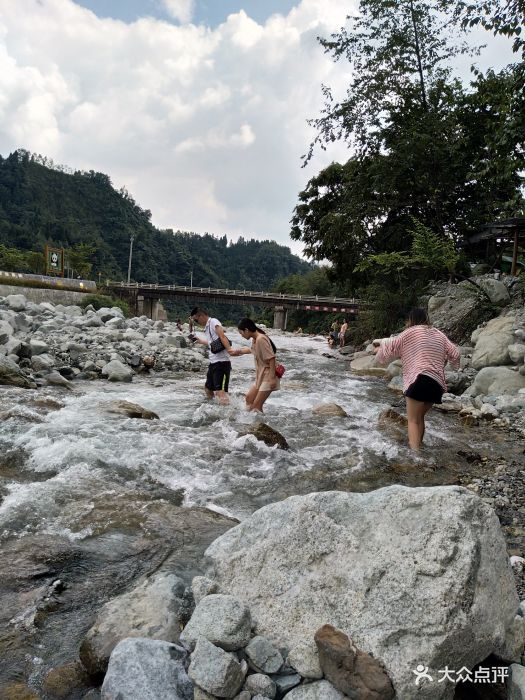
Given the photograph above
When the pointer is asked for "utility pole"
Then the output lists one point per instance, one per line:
(191, 278)
(130, 254)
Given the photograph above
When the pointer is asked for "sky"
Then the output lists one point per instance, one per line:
(198, 108)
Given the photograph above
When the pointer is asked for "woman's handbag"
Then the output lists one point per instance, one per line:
(279, 370)
(216, 345)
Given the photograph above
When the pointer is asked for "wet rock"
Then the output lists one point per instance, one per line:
(214, 670)
(155, 609)
(457, 559)
(285, 682)
(268, 435)
(222, 620)
(18, 691)
(391, 417)
(132, 410)
(147, 668)
(56, 379)
(319, 690)
(368, 365)
(63, 681)
(263, 656)
(260, 684)
(350, 670)
(329, 409)
(11, 375)
(116, 371)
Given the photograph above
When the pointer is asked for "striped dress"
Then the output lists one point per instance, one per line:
(423, 350)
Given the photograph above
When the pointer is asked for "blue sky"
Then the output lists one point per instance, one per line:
(208, 12)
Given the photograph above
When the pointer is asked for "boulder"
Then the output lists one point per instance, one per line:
(350, 670)
(40, 362)
(215, 670)
(496, 291)
(54, 378)
(132, 410)
(10, 374)
(492, 344)
(148, 669)
(319, 690)
(458, 309)
(516, 682)
(260, 684)
(263, 656)
(329, 409)
(517, 353)
(222, 620)
(369, 564)
(496, 380)
(155, 609)
(38, 347)
(391, 417)
(16, 302)
(266, 434)
(367, 366)
(116, 371)
(202, 586)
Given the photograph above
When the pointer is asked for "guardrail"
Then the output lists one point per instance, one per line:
(306, 299)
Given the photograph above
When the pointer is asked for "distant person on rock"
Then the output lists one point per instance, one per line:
(218, 377)
(342, 333)
(264, 352)
(424, 352)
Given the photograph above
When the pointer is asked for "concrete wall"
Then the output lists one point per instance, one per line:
(54, 296)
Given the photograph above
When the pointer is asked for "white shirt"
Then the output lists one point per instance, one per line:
(211, 335)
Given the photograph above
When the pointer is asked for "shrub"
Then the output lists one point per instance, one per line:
(99, 301)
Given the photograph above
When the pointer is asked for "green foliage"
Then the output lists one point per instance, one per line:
(78, 259)
(14, 260)
(100, 301)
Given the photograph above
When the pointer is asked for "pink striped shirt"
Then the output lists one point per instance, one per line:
(423, 350)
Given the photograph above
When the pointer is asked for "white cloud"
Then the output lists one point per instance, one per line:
(181, 10)
(204, 127)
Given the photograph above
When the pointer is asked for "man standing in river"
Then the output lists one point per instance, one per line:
(218, 377)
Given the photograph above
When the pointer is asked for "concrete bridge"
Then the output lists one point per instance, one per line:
(145, 299)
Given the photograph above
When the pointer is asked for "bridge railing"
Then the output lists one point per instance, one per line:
(235, 292)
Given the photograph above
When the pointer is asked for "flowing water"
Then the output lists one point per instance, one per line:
(91, 500)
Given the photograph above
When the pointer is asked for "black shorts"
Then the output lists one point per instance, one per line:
(425, 389)
(218, 377)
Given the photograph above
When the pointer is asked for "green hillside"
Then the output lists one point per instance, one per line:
(41, 204)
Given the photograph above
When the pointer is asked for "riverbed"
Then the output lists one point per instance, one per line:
(91, 500)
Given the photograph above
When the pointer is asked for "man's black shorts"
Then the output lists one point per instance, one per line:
(425, 389)
(218, 377)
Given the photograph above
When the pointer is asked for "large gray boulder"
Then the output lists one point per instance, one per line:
(16, 302)
(496, 291)
(116, 371)
(147, 669)
(492, 343)
(496, 380)
(155, 609)
(11, 374)
(215, 670)
(458, 309)
(319, 690)
(222, 620)
(411, 575)
(516, 682)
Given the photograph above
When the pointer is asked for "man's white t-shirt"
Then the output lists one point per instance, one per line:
(211, 335)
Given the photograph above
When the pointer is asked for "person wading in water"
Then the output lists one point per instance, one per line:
(218, 377)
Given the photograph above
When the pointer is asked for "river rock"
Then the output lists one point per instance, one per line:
(516, 682)
(222, 620)
(263, 656)
(155, 609)
(492, 344)
(202, 586)
(304, 658)
(148, 669)
(116, 371)
(458, 310)
(56, 379)
(319, 690)
(132, 410)
(517, 353)
(16, 302)
(62, 682)
(496, 291)
(214, 670)
(496, 380)
(11, 375)
(368, 564)
(42, 362)
(38, 347)
(391, 417)
(285, 682)
(350, 670)
(367, 366)
(329, 409)
(266, 434)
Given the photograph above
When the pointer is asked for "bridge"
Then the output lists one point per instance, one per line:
(145, 299)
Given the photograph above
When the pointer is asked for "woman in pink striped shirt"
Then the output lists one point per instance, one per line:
(424, 352)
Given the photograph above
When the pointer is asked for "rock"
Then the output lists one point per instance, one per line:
(116, 371)
(368, 563)
(263, 656)
(516, 682)
(63, 681)
(56, 379)
(396, 384)
(18, 691)
(266, 434)
(457, 382)
(177, 341)
(367, 366)
(6, 331)
(517, 353)
(458, 309)
(394, 369)
(492, 345)
(214, 670)
(11, 375)
(304, 658)
(147, 669)
(350, 670)
(391, 417)
(42, 362)
(285, 682)
(319, 690)
(489, 412)
(132, 410)
(38, 347)
(495, 290)
(496, 380)
(222, 620)
(260, 684)
(202, 586)
(329, 409)
(514, 643)
(155, 609)
(16, 302)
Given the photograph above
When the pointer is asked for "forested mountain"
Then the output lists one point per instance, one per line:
(41, 204)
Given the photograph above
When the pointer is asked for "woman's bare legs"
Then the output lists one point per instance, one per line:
(250, 396)
(416, 411)
(261, 397)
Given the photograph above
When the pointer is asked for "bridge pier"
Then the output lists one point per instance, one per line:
(280, 317)
(152, 308)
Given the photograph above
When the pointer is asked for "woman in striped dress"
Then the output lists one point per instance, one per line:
(424, 352)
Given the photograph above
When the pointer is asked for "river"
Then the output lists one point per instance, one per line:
(92, 500)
